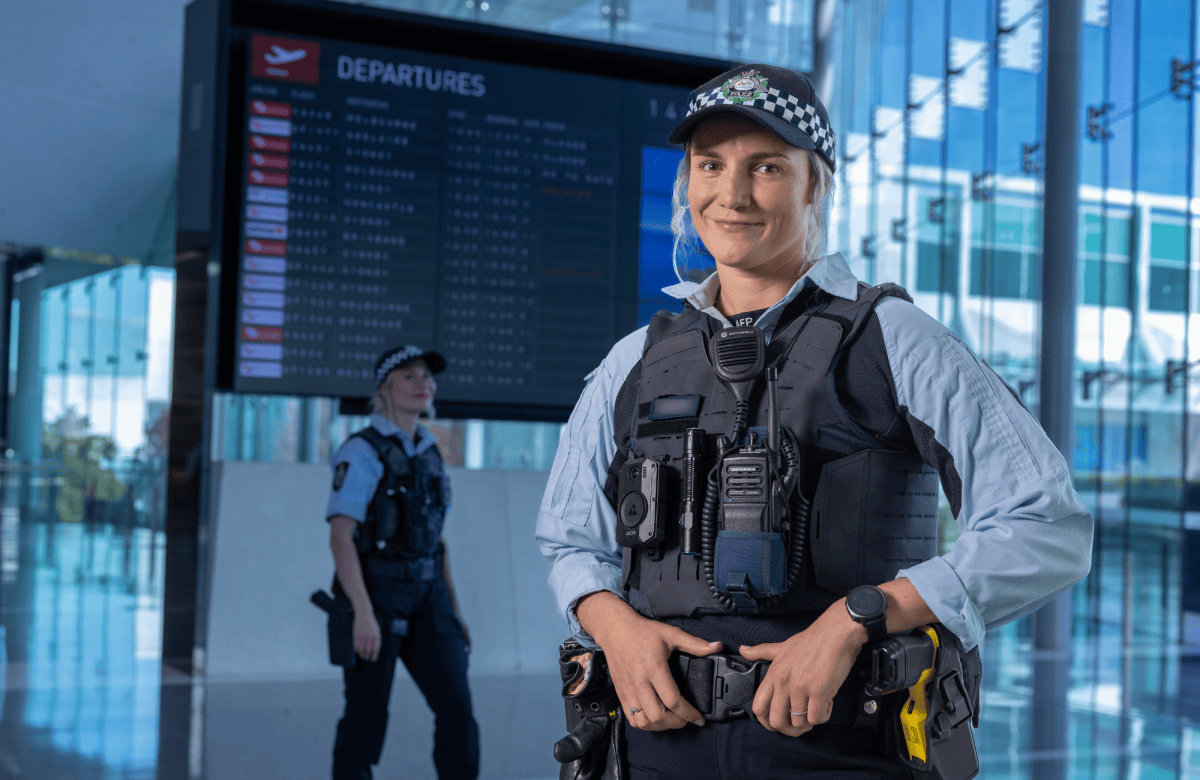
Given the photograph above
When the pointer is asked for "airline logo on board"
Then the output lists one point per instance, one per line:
(281, 56)
(286, 58)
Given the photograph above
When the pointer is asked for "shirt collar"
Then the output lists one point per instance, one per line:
(831, 274)
(389, 428)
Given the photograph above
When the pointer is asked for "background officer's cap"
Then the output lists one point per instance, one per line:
(395, 358)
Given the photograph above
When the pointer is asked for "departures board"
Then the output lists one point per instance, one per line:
(491, 211)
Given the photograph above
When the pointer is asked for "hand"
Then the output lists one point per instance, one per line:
(637, 650)
(463, 625)
(806, 671)
(367, 637)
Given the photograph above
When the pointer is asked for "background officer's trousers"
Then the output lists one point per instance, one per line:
(435, 653)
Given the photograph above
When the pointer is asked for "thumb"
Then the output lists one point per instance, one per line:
(764, 652)
(692, 645)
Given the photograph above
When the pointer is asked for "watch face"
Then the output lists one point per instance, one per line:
(866, 602)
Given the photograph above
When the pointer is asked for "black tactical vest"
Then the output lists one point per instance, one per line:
(849, 537)
(406, 514)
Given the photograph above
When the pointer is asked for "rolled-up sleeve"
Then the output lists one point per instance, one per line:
(1025, 536)
(576, 527)
(356, 474)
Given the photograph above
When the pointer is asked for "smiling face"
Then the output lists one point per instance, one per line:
(747, 191)
(408, 390)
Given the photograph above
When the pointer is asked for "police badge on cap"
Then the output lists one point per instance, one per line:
(781, 100)
(399, 356)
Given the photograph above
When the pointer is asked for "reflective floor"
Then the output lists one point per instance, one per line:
(85, 697)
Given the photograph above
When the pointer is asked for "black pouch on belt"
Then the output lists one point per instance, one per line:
(339, 627)
(595, 747)
(933, 728)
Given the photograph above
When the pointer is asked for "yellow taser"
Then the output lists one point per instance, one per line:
(915, 713)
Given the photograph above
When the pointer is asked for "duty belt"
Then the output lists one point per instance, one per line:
(408, 569)
(722, 688)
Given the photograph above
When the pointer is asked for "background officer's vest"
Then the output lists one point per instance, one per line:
(406, 514)
(663, 582)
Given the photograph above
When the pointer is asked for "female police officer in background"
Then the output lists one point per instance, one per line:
(390, 495)
(757, 173)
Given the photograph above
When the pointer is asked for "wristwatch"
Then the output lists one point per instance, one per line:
(867, 605)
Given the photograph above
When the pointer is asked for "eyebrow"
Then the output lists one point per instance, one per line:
(709, 152)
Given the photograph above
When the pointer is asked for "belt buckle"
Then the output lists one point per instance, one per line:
(734, 684)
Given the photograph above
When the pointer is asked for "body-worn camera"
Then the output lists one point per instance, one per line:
(642, 505)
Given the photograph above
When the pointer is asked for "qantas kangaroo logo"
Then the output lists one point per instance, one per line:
(281, 56)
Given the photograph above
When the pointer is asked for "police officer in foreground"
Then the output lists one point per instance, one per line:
(746, 485)
(389, 500)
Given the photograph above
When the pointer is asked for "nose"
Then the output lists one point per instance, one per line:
(735, 189)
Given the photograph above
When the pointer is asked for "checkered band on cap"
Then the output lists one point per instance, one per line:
(787, 107)
(397, 358)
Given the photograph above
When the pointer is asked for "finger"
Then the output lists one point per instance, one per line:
(820, 710)
(762, 704)
(798, 723)
(673, 700)
(681, 640)
(780, 717)
(764, 652)
(658, 717)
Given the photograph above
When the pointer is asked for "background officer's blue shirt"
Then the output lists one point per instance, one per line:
(355, 487)
(1025, 536)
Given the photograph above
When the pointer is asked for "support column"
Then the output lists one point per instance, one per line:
(1052, 623)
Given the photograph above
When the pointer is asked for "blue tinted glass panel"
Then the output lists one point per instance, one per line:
(965, 136)
(929, 38)
(1091, 158)
(922, 151)
(1168, 286)
(1168, 241)
(893, 62)
(1105, 281)
(1016, 117)
(997, 276)
(971, 19)
(1120, 30)
(936, 271)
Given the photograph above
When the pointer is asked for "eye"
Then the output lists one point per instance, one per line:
(707, 165)
(768, 168)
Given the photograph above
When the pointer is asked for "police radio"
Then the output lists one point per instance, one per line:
(752, 542)
(641, 509)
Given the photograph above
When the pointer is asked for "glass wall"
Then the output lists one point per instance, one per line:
(941, 107)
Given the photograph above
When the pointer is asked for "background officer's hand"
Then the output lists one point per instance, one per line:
(637, 650)
(463, 625)
(806, 671)
(367, 637)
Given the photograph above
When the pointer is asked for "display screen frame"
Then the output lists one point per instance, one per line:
(435, 36)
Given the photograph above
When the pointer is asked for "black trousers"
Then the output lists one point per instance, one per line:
(435, 653)
(743, 750)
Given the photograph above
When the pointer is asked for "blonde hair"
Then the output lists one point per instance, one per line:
(379, 402)
(815, 220)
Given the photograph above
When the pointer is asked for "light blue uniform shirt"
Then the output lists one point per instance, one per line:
(357, 468)
(1025, 536)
